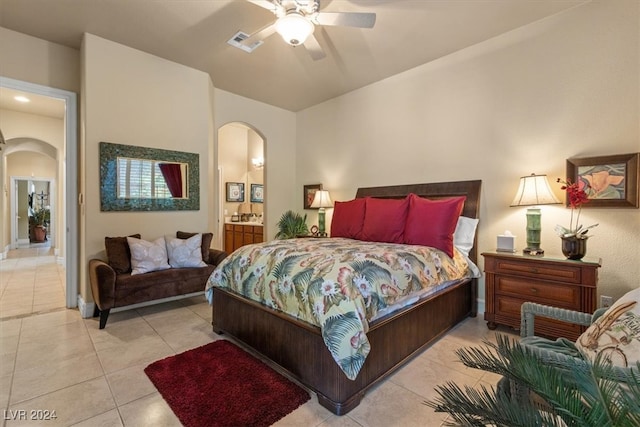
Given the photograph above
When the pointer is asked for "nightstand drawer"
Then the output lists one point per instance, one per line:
(513, 279)
(508, 313)
(539, 270)
(536, 291)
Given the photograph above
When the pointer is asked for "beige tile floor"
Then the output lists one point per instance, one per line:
(31, 282)
(58, 361)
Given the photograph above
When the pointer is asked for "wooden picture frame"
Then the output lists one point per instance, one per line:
(235, 191)
(609, 181)
(257, 193)
(309, 193)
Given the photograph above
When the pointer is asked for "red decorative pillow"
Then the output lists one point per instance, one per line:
(348, 218)
(384, 220)
(433, 222)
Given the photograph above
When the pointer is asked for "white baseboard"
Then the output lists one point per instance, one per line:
(159, 301)
(86, 308)
(481, 307)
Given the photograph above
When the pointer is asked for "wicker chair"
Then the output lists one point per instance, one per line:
(555, 353)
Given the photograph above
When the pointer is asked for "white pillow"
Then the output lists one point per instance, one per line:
(185, 252)
(465, 234)
(147, 256)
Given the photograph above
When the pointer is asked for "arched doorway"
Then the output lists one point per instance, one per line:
(31, 165)
(242, 192)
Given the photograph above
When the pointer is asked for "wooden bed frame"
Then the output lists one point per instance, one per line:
(297, 348)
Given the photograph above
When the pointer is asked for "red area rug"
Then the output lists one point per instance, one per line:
(220, 384)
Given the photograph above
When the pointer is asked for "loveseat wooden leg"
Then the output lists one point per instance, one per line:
(96, 311)
(104, 314)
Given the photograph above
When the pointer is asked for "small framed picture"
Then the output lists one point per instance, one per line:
(609, 181)
(235, 192)
(309, 194)
(257, 193)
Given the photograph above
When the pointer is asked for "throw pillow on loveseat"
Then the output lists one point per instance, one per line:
(113, 284)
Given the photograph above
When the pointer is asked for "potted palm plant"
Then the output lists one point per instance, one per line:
(292, 225)
(578, 393)
(41, 218)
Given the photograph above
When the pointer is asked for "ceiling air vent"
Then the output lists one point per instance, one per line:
(240, 37)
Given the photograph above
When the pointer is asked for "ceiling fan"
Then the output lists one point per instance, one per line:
(297, 19)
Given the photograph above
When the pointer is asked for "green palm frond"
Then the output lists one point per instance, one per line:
(371, 271)
(42, 216)
(249, 283)
(473, 405)
(351, 365)
(301, 283)
(302, 279)
(292, 224)
(577, 392)
(337, 328)
(285, 266)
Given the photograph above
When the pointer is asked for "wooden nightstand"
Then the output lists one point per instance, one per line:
(511, 279)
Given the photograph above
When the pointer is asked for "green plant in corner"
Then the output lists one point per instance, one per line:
(42, 216)
(291, 225)
(578, 393)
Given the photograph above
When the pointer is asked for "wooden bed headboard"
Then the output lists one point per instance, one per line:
(437, 190)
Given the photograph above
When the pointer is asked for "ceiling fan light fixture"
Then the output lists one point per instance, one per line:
(294, 28)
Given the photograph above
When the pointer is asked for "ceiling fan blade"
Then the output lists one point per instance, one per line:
(266, 4)
(313, 47)
(347, 19)
(260, 35)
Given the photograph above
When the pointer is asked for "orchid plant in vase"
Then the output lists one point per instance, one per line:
(577, 197)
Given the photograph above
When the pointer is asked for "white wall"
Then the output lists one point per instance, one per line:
(36, 144)
(111, 113)
(24, 163)
(232, 157)
(137, 105)
(521, 103)
(237, 145)
(38, 61)
(17, 124)
(278, 130)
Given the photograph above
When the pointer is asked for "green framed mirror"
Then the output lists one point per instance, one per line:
(136, 178)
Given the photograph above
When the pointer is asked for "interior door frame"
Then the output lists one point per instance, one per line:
(70, 165)
(13, 205)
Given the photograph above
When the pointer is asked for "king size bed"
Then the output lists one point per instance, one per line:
(379, 335)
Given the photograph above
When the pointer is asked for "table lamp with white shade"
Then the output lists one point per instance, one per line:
(321, 200)
(534, 190)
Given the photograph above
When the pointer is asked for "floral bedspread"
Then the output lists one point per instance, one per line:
(337, 284)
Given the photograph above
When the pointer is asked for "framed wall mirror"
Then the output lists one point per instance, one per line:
(136, 178)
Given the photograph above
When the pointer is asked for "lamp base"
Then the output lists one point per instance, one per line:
(533, 251)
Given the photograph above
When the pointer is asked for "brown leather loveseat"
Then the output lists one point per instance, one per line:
(113, 285)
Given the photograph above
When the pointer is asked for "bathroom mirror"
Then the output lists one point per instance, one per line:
(136, 178)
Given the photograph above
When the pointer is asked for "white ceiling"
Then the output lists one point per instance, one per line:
(38, 104)
(407, 33)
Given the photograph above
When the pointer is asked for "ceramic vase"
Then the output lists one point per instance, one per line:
(574, 247)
